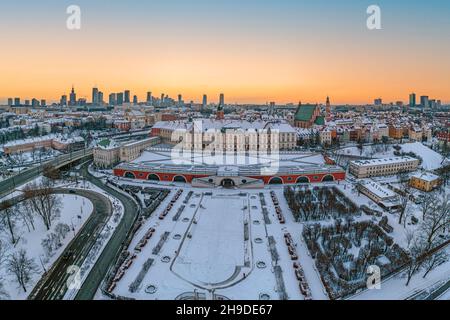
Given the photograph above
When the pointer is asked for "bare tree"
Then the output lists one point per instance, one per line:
(3, 293)
(428, 204)
(20, 266)
(61, 230)
(403, 195)
(18, 159)
(436, 222)
(43, 202)
(435, 260)
(25, 213)
(51, 172)
(423, 245)
(2, 253)
(416, 248)
(8, 216)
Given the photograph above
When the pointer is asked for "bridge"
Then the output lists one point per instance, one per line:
(8, 185)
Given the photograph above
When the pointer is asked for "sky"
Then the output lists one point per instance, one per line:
(254, 51)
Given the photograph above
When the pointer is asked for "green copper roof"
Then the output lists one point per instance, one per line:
(305, 112)
(104, 143)
(320, 121)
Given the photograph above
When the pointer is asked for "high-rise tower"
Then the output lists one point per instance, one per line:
(73, 97)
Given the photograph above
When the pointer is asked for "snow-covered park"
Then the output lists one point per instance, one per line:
(211, 244)
(28, 234)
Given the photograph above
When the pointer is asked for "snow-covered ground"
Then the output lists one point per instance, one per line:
(208, 250)
(215, 249)
(74, 213)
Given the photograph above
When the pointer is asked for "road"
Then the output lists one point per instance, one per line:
(53, 285)
(8, 185)
(439, 292)
(115, 245)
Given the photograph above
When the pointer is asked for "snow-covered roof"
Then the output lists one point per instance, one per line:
(383, 161)
(378, 190)
(205, 125)
(426, 176)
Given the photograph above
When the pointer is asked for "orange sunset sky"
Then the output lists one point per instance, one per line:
(283, 51)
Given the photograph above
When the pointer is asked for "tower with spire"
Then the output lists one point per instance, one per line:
(220, 114)
(328, 110)
(73, 97)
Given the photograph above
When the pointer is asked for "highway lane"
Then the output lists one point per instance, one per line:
(115, 245)
(53, 285)
(8, 185)
(439, 292)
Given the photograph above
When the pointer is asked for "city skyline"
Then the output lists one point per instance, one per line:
(253, 52)
(98, 97)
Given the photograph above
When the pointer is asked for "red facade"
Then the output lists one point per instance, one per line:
(286, 179)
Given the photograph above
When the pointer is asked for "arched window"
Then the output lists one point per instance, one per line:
(129, 175)
(179, 179)
(153, 177)
(328, 178)
(276, 180)
(303, 180)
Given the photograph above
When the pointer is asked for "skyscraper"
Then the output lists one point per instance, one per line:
(95, 96)
(205, 101)
(10, 102)
(112, 99)
(149, 98)
(271, 108)
(222, 100)
(63, 101)
(17, 101)
(378, 102)
(43, 103)
(180, 100)
(73, 98)
(34, 102)
(120, 98)
(412, 100)
(135, 100)
(424, 101)
(127, 96)
(100, 98)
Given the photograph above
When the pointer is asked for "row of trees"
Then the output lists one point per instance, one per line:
(319, 203)
(344, 251)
